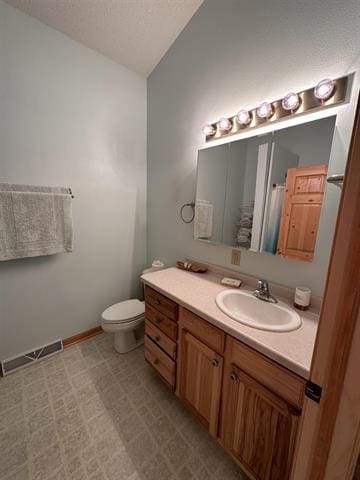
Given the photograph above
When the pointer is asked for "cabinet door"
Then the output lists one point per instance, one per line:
(300, 215)
(200, 380)
(258, 427)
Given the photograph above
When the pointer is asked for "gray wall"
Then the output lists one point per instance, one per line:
(211, 184)
(311, 141)
(70, 117)
(235, 54)
(235, 186)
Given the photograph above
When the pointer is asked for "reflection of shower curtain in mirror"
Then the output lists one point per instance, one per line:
(273, 224)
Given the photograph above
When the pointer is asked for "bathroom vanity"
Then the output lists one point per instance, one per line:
(246, 386)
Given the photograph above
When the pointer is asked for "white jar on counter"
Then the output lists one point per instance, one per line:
(302, 298)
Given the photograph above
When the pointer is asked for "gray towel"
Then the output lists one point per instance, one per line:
(203, 221)
(34, 221)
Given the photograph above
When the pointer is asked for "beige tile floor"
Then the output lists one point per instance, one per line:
(89, 413)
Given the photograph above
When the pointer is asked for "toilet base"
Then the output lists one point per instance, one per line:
(126, 341)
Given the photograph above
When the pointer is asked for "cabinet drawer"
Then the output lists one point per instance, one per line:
(161, 321)
(162, 340)
(203, 330)
(160, 361)
(278, 379)
(161, 303)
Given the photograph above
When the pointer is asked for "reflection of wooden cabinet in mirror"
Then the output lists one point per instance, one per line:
(301, 210)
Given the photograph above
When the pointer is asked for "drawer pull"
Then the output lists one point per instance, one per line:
(233, 376)
(215, 362)
(157, 338)
(156, 361)
(161, 303)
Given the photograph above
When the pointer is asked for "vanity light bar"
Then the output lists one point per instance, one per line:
(326, 93)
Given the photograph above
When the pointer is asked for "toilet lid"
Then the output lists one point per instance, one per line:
(124, 311)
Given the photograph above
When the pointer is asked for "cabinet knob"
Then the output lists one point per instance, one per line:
(157, 301)
(158, 320)
(157, 338)
(156, 361)
(233, 376)
(215, 362)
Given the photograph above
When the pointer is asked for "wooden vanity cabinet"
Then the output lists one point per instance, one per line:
(161, 303)
(200, 368)
(251, 404)
(162, 363)
(161, 315)
(201, 380)
(212, 336)
(261, 408)
(258, 427)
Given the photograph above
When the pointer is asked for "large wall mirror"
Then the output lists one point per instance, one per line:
(265, 193)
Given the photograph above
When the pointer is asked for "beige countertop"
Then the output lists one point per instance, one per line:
(197, 292)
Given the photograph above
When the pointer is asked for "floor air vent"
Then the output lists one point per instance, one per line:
(29, 358)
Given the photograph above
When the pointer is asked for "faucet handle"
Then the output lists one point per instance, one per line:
(263, 285)
(263, 292)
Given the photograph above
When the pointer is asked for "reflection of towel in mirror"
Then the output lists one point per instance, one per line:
(203, 222)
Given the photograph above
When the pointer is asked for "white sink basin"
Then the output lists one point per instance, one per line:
(245, 308)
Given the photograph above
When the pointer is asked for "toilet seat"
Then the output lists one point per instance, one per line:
(124, 312)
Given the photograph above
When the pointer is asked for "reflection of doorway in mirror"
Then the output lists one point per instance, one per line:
(301, 210)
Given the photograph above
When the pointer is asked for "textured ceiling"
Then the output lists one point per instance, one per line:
(135, 33)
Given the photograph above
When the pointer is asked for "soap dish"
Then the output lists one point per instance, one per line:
(191, 267)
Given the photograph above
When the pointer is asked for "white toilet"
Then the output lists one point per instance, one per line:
(126, 320)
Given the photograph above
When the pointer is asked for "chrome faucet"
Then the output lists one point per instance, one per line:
(263, 292)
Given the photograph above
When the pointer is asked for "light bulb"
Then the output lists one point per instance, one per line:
(291, 101)
(264, 110)
(208, 130)
(324, 89)
(243, 117)
(224, 124)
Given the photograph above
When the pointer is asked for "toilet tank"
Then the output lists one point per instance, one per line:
(156, 266)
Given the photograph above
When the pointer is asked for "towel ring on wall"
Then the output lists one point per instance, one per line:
(192, 205)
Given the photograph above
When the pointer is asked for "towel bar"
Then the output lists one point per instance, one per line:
(336, 180)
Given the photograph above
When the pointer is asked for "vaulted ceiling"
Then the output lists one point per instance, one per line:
(134, 33)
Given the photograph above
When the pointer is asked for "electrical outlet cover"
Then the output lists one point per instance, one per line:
(235, 257)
